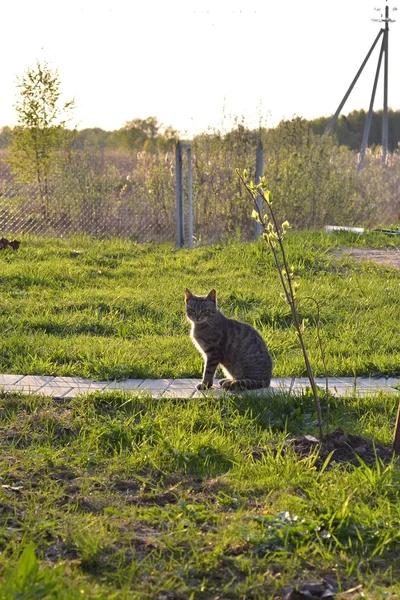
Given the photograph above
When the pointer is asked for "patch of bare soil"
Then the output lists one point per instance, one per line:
(5, 243)
(346, 449)
(388, 258)
(328, 588)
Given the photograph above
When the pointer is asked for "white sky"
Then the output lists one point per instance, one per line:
(195, 64)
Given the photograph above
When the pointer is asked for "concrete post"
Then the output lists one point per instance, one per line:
(190, 195)
(259, 174)
(179, 196)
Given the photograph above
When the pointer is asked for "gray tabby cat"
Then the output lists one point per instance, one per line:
(236, 346)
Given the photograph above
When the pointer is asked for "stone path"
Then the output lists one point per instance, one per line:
(387, 257)
(69, 387)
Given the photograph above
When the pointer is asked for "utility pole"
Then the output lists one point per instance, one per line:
(384, 52)
(385, 117)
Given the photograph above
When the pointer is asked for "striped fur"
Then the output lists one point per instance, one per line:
(234, 345)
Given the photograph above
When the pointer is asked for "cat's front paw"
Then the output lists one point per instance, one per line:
(204, 385)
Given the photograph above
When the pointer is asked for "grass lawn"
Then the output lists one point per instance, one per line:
(115, 309)
(112, 496)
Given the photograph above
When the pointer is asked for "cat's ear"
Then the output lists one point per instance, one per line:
(212, 296)
(188, 294)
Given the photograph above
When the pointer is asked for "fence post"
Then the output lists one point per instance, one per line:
(259, 173)
(190, 195)
(179, 196)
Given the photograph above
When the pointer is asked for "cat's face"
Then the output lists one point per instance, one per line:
(201, 309)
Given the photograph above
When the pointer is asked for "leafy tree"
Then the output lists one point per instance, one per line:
(143, 134)
(94, 137)
(41, 129)
(168, 139)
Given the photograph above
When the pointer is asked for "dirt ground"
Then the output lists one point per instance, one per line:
(345, 448)
(388, 258)
(336, 447)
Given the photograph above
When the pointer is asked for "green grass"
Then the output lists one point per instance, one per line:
(114, 496)
(114, 309)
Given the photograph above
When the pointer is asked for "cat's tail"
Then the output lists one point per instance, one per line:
(244, 384)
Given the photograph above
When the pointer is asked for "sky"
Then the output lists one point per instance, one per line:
(198, 65)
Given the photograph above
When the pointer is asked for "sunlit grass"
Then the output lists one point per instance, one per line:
(114, 309)
(111, 496)
(114, 496)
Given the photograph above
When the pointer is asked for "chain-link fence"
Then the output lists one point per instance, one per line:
(97, 192)
(94, 193)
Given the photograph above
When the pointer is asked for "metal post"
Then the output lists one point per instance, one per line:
(333, 120)
(259, 173)
(179, 196)
(367, 126)
(385, 119)
(190, 195)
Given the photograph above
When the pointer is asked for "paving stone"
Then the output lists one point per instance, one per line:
(82, 389)
(188, 382)
(283, 384)
(394, 382)
(9, 379)
(154, 393)
(214, 392)
(181, 388)
(179, 391)
(332, 381)
(69, 387)
(341, 392)
(128, 384)
(155, 384)
(22, 389)
(338, 386)
(380, 383)
(277, 386)
(260, 392)
(55, 391)
(35, 380)
(218, 392)
(78, 382)
(372, 386)
(363, 392)
(73, 392)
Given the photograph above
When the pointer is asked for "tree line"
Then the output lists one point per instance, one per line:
(349, 128)
(135, 136)
(151, 136)
(73, 185)
(41, 111)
